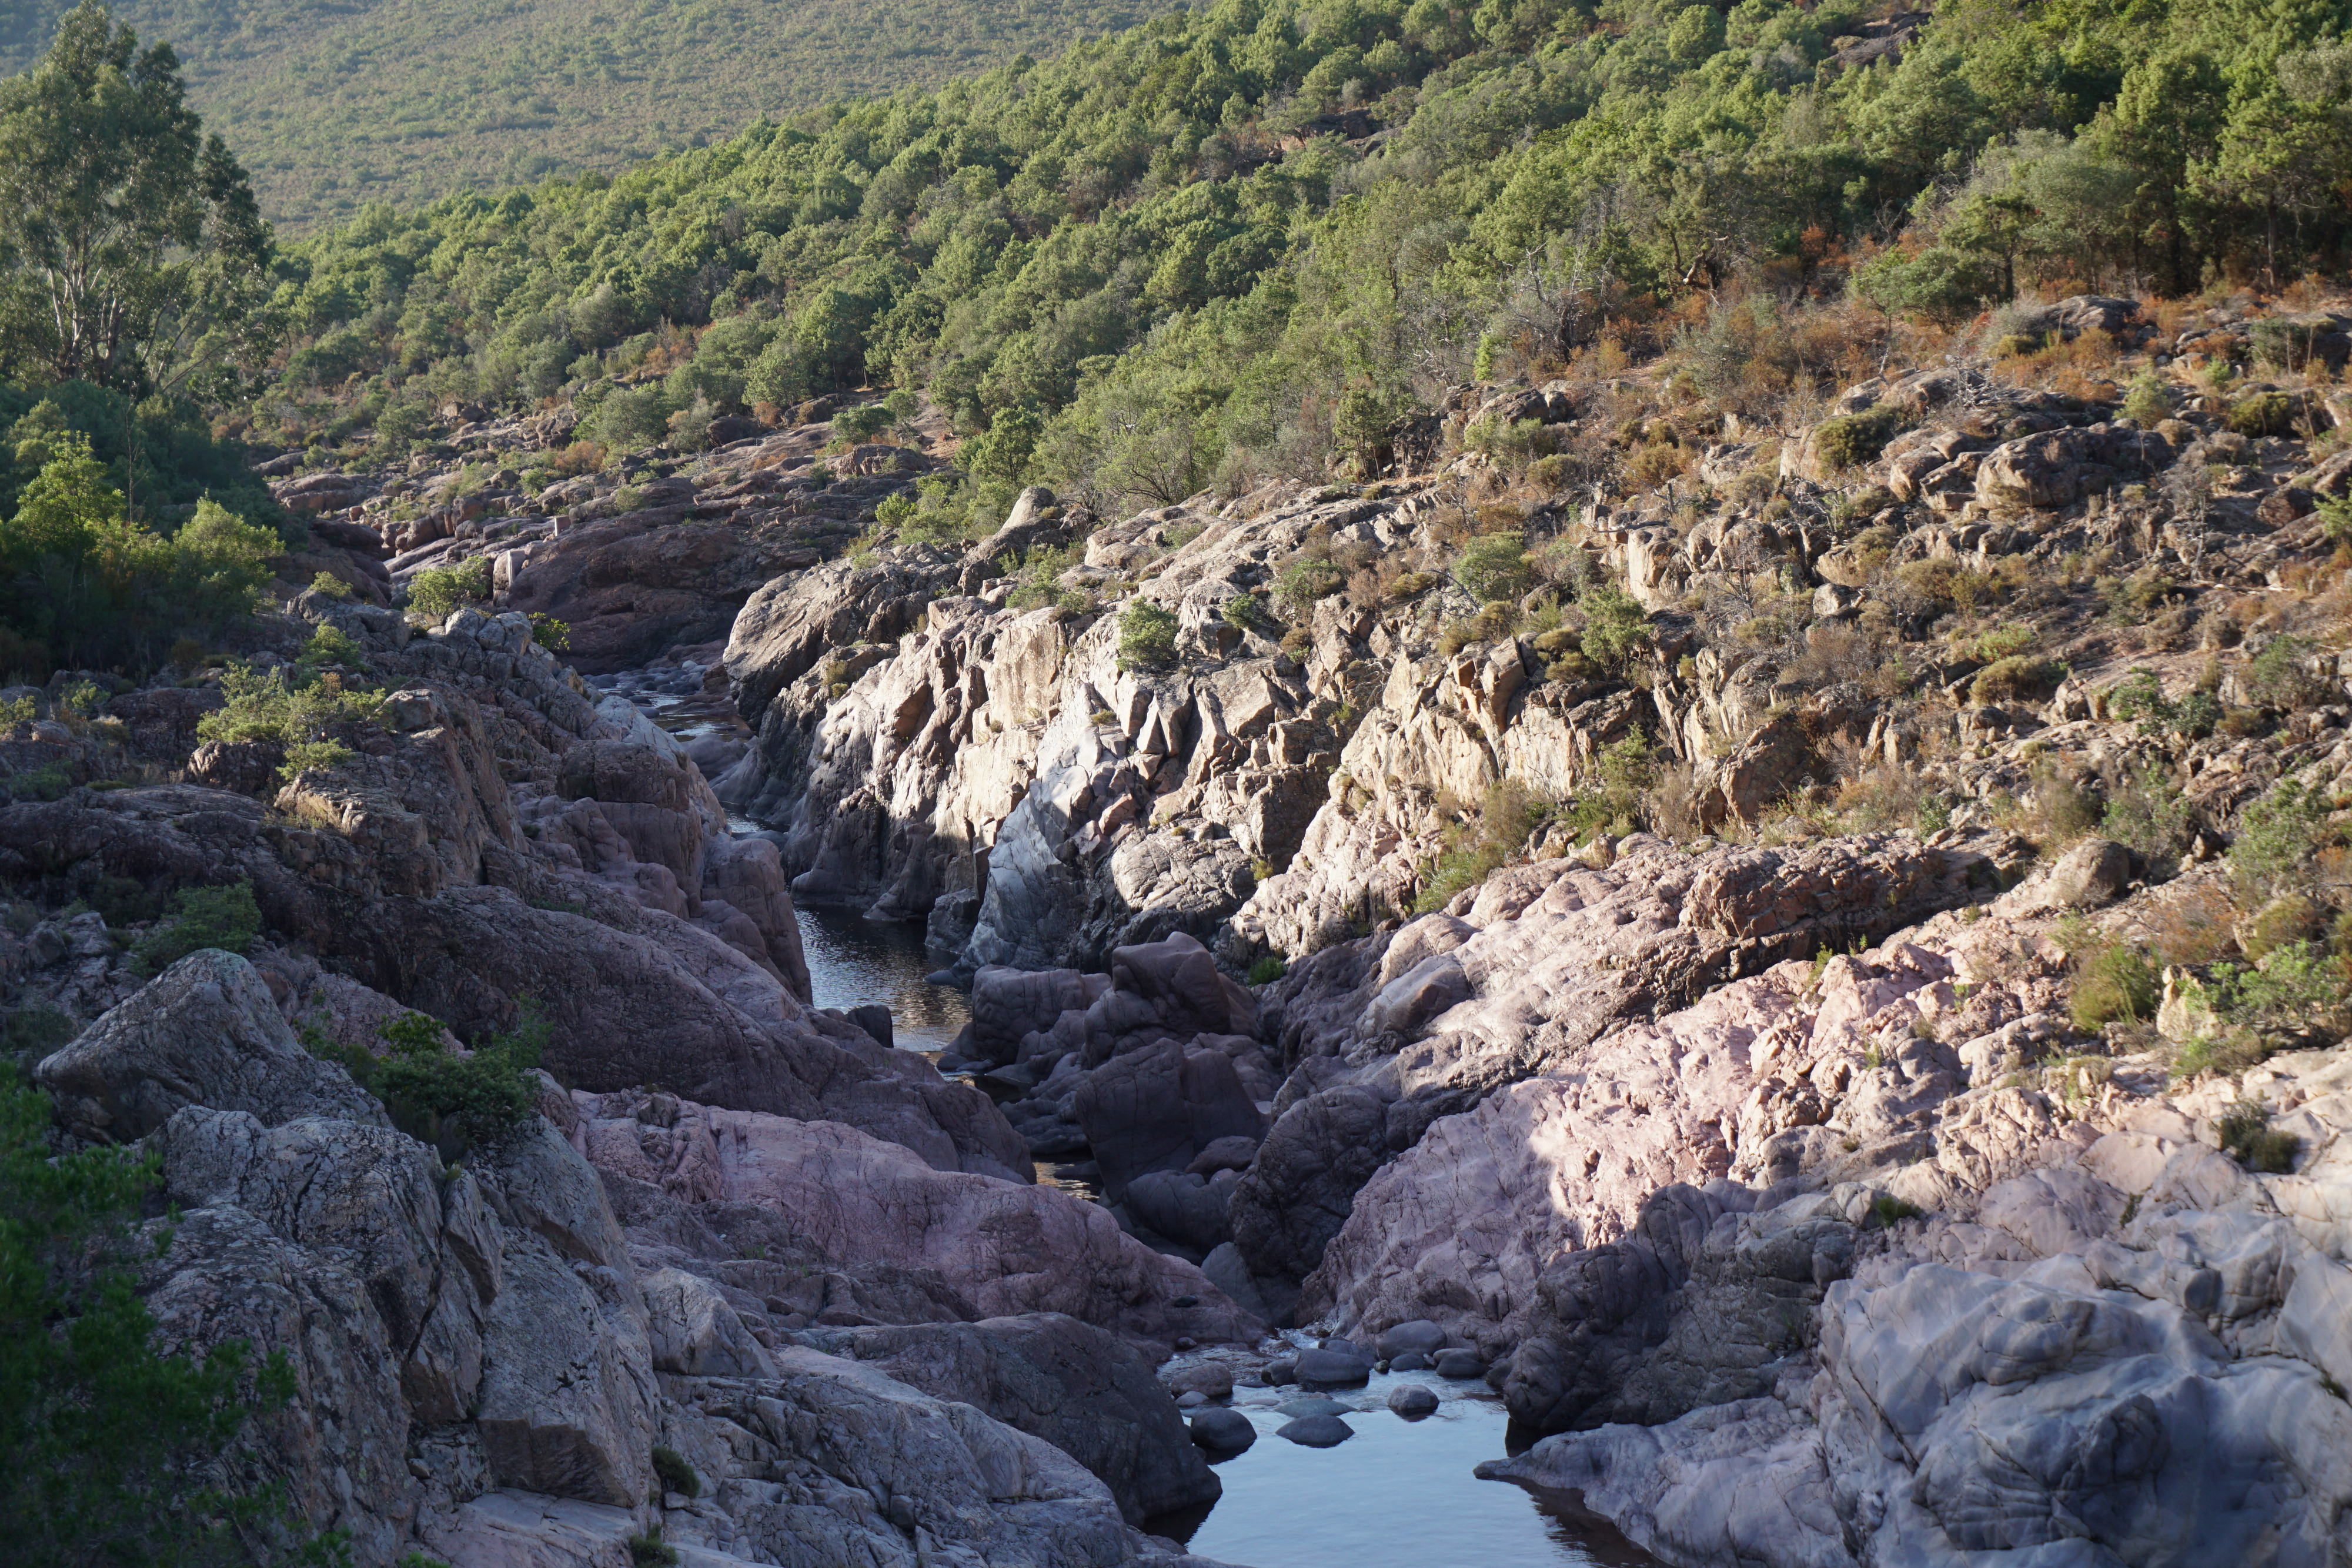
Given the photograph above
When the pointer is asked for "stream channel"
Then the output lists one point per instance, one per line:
(1397, 1494)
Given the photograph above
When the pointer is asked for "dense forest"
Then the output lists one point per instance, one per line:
(333, 105)
(1247, 240)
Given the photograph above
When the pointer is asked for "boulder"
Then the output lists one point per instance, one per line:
(1223, 1432)
(1080, 1388)
(205, 1032)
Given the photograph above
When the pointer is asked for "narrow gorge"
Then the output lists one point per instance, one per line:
(1369, 1002)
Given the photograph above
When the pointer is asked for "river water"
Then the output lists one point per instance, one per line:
(1398, 1494)
(853, 961)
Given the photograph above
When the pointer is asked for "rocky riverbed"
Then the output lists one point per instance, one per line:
(1669, 1030)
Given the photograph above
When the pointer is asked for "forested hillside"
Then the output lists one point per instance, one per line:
(333, 105)
(1242, 241)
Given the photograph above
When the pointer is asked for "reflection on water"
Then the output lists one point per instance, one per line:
(853, 961)
(1398, 1494)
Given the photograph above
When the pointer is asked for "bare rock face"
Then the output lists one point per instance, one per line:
(206, 1032)
(598, 881)
(1546, 960)
(1008, 1248)
(1052, 1376)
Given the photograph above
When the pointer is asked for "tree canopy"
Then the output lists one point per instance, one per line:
(136, 255)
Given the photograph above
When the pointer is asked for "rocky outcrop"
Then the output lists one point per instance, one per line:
(1395, 1032)
(1053, 1377)
(483, 1371)
(496, 836)
(206, 1032)
(702, 1184)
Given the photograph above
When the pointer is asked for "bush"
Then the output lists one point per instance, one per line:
(1850, 440)
(333, 587)
(2016, 678)
(455, 1102)
(2147, 813)
(1306, 579)
(2264, 413)
(117, 1454)
(2113, 983)
(267, 708)
(2140, 695)
(675, 1474)
(2279, 837)
(1494, 567)
(439, 591)
(1146, 637)
(2246, 1132)
(225, 918)
(2277, 677)
(2145, 404)
(1615, 625)
(1266, 970)
(1613, 801)
(1508, 815)
(549, 634)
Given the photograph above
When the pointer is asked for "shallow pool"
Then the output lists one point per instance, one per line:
(853, 961)
(1398, 1494)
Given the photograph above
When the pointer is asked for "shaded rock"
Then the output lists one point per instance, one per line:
(1077, 1388)
(206, 1032)
(1223, 1432)
(1412, 1401)
(1316, 1431)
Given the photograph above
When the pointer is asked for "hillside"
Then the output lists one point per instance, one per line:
(333, 105)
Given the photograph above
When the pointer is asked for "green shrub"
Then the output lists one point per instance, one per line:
(1850, 440)
(646, 1550)
(117, 1454)
(1243, 610)
(1889, 1210)
(2115, 982)
(331, 644)
(2147, 812)
(333, 587)
(675, 1474)
(2145, 404)
(1506, 817)
(1615, 625)
(1614, 799)
(48, 782)
(1268, 969)
(2140, 696)
(2246, 1133)
(455, 1102)
(1306, 579)
(549, 634)
(225, 918)
(2016, 678)
(2279, 837)
(2264, 413)
(1146, 637)
(265, 708)
(439, 591)
(2000, 642)
(1494, 567)
(2277, 677)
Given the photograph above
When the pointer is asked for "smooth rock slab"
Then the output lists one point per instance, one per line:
(1316, 1431)
(1315, 1405)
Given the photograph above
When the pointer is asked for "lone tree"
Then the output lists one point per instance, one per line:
(135, 256)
